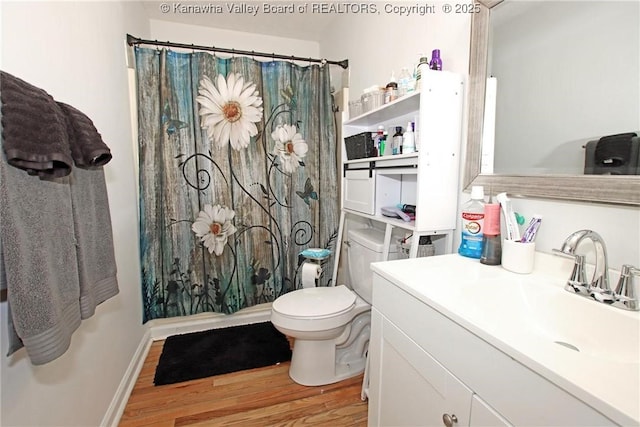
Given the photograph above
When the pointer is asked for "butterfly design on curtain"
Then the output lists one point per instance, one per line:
(308, 194)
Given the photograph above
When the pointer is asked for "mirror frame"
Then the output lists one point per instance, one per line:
(623, 190)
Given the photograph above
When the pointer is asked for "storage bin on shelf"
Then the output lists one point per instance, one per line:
(359, 146)
(425, 247)
(355, 108)
(372, 100)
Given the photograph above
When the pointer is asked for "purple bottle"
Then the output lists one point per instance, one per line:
(436, 62)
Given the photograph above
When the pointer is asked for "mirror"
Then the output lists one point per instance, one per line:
(566, 185)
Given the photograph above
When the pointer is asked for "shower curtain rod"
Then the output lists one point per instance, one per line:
(131, 40)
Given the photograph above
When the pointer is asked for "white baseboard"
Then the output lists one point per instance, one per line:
(119, 401)
(161, 329)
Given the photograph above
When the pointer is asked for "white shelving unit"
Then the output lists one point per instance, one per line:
(427, 178)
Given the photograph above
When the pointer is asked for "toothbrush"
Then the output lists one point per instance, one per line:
(513, 232)
(530, 232)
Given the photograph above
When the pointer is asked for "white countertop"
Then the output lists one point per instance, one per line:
(479, 298)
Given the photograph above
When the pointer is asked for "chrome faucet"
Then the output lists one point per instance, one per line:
(598, 288)
(627, 292)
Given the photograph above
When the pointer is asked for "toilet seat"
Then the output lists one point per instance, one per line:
(316, 303)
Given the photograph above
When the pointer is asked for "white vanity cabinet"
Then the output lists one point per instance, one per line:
(427, 178)
(408, 387)
(484, 415)
(427, 370)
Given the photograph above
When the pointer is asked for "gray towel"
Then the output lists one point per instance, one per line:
(43, 136)
(40, 265)
(57, 255)
(34, 129)
(87, 147)
(93, 234)
(57, 258)
(15, 343)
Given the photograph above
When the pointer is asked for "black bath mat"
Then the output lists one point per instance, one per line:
(220, 351)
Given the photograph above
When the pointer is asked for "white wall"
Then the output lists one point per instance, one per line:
(376, 45)
(619, 226)
(76, 52)
(205, 36)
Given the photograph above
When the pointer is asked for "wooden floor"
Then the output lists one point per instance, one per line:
(257, 397)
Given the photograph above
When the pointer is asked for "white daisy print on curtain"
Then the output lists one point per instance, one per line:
(213, 226)
(229, 110)
(290, 147)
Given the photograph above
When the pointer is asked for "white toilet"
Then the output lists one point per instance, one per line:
(331, 325)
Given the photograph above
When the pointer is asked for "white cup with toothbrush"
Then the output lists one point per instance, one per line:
(518, 256)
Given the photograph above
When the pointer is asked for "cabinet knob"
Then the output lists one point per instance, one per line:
(449, 420)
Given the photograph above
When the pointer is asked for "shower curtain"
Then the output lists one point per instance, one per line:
(237, 176)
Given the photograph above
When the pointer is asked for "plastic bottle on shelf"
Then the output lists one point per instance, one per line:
(436, 62)
(379, 140)
(391, 90)
(408, 140)
(405, 82)
(396, 144)
(472, 224)
(388, 149)
(424, 62)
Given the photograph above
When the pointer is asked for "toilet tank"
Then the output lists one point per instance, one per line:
(365, 246)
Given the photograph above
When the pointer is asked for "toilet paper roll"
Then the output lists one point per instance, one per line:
(310, 272)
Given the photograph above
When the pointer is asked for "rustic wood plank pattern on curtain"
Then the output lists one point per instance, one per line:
(279, 202)
(256, 397)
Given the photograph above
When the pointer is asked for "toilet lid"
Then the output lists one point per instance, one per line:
(315, 302)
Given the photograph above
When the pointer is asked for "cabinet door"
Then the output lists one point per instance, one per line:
(485, 416)
(409, 387)
(359, 191)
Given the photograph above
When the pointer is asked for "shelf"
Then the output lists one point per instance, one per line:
(427, 179)
(396, 222)
(387, 159)
(400, 107)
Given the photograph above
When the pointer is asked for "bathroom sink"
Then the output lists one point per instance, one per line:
(587, 348)
(547, 312)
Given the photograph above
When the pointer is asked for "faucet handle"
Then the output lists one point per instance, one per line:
(627, 292)
(577, 281)
(600, 290)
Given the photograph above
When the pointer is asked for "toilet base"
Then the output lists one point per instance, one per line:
(322, 356)
(321, 362)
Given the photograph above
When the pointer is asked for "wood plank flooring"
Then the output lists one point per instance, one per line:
(257, 397)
